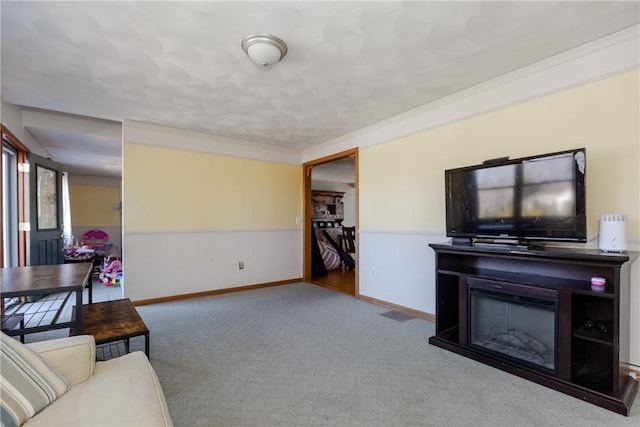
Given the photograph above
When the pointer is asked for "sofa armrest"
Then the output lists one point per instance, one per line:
(74, 357)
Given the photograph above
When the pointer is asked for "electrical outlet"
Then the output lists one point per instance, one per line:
(240, 265)
(373, 272)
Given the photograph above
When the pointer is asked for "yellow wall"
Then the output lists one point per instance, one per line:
(92, 206)
(402, 182)
(176, 190)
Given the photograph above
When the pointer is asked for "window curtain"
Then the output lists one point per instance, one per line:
(66, 210)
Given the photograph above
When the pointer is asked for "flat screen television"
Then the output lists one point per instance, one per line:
(537, 198)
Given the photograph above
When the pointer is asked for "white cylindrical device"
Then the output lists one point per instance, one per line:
(613, 233)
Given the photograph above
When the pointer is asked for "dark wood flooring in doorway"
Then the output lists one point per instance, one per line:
(338, 280)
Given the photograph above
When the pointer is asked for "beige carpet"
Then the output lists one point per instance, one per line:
(301, 355)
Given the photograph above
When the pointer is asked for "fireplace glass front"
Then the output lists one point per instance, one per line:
(519, 327)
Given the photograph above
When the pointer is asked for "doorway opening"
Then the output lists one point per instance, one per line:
(331, 222)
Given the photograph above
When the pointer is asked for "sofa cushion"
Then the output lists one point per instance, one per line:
(124, 391)
(72, 357)
(28, 384)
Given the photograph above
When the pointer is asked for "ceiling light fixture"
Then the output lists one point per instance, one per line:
(264, 50)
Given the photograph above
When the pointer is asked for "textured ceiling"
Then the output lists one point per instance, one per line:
(350, 64)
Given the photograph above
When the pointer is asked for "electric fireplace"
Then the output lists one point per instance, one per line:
(535, 314)
(513, 323)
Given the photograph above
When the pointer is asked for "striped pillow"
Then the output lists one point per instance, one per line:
(329, 255)
(27, 384)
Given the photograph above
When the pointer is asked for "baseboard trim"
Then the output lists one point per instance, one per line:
(332, 288)
(400, 308)
(215, 292)
(631, 371)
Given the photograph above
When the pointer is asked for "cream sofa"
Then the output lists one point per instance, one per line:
(123, 391)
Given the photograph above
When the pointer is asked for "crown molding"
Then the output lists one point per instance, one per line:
(140, 133)
(602, 58)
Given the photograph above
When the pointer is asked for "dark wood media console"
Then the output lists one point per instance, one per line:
(589, 326)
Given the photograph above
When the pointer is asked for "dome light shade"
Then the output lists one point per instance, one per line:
(264, 50)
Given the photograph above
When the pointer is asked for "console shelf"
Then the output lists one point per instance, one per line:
(578, 286)
(591, 341)
(583, 333)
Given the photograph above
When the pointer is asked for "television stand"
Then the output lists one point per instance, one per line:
(576, 336)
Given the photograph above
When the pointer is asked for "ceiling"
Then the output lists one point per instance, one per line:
(349, 65)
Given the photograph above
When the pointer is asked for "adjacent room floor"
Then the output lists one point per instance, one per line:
(340, 280)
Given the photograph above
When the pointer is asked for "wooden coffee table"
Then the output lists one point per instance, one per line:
(113, 321)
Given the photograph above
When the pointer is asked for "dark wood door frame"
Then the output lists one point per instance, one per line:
(308, 210)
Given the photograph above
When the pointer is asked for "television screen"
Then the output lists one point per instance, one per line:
(534, 198)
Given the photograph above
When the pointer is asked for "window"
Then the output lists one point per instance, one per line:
(12, 203)
(9, 207)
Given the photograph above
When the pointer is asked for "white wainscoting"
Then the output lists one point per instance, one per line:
(161, 264)
(399, 267)
(633, 245)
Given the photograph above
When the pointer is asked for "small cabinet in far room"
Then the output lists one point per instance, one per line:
(328, 213)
